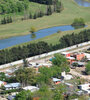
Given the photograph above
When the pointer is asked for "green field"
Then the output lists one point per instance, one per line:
(71, 10)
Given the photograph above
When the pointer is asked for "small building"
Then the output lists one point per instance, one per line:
(79, 56)
(31, 88)
(12, 86)
(66, 77)
(85, 88)
(87, 55)
(70, 59)
(11, 97)
(56, 81)
(81, 64)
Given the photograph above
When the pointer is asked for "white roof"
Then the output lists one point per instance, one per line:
(1, 82)
(70, 58)
(87, 55)
(65, 53)
(85, 84)
(31, 88)
(81, 63)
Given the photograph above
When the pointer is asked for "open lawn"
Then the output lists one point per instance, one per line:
(71, 11)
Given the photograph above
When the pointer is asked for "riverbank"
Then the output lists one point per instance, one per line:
(71, 11)
(54, 38)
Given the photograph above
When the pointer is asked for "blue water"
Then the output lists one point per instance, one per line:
(5, 43)
(83, 3)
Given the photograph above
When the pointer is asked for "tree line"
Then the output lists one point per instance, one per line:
(6, 20)
(17, 53)
(73, 39)
(48, 2)
(58, 7)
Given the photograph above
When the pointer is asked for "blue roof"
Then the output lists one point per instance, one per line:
(52, 58)
(13, 85)
(56, 80)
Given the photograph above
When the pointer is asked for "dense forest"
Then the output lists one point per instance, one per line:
(17, 53)
(17, 6)
(12, 6)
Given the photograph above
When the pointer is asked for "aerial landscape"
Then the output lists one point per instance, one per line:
(44, 49)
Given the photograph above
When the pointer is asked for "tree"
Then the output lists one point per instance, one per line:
(78, 22)
(45, 93)
(59, 7)
(32, 29)
(35, 16)
(33, 35)
(30, 16)
(44, 76)
(49, 10)
(25, 63)
(59, 92)
(88, 68)
(41, 14)
(2, 76)
(24, 95)
(75, 64)
(26, 76)
(61, 61)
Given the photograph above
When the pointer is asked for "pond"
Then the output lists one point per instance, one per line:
(83, 3)
(5, 43)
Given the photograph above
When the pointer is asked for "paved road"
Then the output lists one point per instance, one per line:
(80, 49)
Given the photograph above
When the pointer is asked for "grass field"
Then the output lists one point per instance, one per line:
(71, 10)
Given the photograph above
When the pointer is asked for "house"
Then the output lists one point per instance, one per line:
(31, 88)
(11, 97)
(70, 59)
(81, 64)
(87, 55)
(2, 83)
(12, 86)
(79, 56)
(85, 87)
(66, 77)
(56, 81)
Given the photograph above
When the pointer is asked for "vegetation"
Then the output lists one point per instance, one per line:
(17, 53)
(6, 20)
(2, 76)
(10, 91)
(26, 76)
(24, 95)
(88, 68)
(13, 6)
(78, 22)
(55, 71)
(48, 2)
(72, 39)
(71, 11)
(33, 29)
